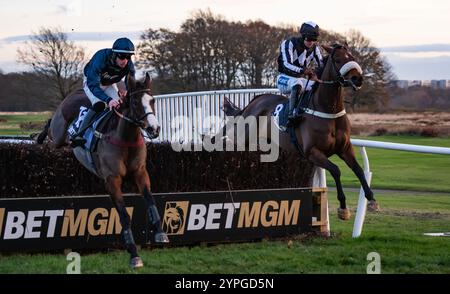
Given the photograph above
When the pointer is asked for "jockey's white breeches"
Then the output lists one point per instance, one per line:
(111, 91)
(285, 83)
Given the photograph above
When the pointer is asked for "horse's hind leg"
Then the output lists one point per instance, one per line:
(349, 157)
(142, 181)
(42, 135)
(319, 159)
(58, 129)
(114, 185)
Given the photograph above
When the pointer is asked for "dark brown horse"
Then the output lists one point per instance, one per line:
(120, 151)
(324, 129)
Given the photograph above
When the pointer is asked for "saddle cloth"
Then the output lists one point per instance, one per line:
(97, 125)
(280, 116)
(281, 113)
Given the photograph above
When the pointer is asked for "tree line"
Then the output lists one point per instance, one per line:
(208, 52)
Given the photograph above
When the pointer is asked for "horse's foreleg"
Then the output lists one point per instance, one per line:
(114, 185)
(349, 158)
(143, 183)
(319, 159)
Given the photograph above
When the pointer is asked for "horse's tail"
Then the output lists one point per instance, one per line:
(230, 109)
(41, 137)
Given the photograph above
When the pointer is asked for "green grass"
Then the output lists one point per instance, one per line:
(402, 170)
(12, 124)
(396, 233)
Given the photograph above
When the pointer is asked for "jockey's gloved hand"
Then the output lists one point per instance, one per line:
(122, 93)
(114, 104)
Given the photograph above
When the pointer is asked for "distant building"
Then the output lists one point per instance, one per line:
(435, 84)
(402, 84)
(415, 83)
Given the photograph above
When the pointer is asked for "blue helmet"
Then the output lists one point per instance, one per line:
(123, 45)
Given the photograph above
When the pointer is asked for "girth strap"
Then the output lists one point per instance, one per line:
(294, 141)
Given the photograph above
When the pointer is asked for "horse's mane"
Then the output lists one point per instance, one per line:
(240, 111)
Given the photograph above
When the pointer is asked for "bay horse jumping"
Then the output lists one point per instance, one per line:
(120, 151)
(324, 129)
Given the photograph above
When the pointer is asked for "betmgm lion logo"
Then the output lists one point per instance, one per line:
(175, 217)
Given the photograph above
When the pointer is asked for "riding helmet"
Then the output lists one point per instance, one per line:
(310, 30)
(123, 45)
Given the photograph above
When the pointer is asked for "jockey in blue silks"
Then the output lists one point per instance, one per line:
(296, 56)
(106, 68)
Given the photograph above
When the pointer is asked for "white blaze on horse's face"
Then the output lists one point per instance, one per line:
(151, 119)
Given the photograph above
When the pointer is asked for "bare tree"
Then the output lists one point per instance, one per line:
(51, 55)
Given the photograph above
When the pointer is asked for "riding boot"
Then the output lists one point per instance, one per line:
(77, 139)
(293, 101)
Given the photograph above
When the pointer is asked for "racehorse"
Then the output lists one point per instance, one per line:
(120, 151)
(324, 129)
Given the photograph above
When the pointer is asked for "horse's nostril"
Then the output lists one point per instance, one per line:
(357, 81)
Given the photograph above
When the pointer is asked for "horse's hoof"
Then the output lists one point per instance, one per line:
(344, 214)
(136, 262)
(161, 238)
(373, 206)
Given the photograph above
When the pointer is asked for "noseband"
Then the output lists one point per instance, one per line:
(341, 80)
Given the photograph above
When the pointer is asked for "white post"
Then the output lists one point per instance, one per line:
(320, 180)
(362, 202)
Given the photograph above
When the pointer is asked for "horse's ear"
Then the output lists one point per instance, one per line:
(148, 81)
(346, 44)
(327, 48)
(131, 82)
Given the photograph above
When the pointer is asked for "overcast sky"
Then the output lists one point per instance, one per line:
(412, 34)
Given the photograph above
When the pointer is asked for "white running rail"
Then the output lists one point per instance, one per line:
(187, 116)
(362, 202)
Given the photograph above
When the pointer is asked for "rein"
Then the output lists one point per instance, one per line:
(136, 122)
(341, 81)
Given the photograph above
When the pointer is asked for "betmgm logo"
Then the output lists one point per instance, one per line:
(181, 216)
(175, 217)
(36, 224)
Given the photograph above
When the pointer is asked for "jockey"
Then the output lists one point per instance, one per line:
(106, 68)
(296, 57)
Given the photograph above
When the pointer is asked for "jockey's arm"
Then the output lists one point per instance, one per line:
(287, 50)
(93, 76)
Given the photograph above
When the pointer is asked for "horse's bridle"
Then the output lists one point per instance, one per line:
(341, 80)
(137, 122)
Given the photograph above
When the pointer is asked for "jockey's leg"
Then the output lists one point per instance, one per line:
(304, 96)
(77, 139)
(295, 91)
